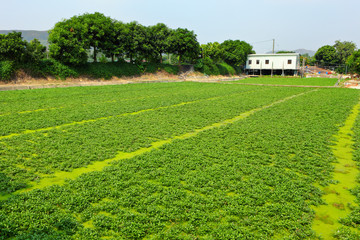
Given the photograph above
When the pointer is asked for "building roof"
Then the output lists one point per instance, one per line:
(275, 54)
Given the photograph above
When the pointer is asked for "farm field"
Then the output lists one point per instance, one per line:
(291, 81)
(179, 161)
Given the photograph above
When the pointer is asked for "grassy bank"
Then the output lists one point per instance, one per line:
(51, 68)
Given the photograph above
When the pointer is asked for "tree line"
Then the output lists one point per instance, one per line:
(95, 37)
(343, 56)
(72, 39)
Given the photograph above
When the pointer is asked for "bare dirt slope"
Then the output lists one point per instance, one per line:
(25, 82)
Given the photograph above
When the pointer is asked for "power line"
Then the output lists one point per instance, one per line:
(262, 41)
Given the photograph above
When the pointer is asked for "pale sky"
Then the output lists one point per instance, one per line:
(293, 24)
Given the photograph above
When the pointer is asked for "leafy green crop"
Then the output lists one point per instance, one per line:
(291, 81)
(212, 178)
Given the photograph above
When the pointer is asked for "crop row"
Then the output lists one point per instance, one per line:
(29, 157)
(17, 101)
(291, 81)
(104, 104)
(353, 219)
(252, 179)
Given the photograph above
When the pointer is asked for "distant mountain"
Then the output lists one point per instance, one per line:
(303, 51)
(29, 35)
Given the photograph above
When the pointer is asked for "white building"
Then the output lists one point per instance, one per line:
(269, 64)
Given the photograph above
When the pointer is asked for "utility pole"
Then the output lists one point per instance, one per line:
(303, 68)
(273, 45)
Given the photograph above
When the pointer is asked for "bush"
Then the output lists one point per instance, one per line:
(57, 69)
(226, 69)
(48, 67)
(108, 70)
(122, 69)
(155, 67)
(7, 70)
(238, 69)
(209, 67)
(51, 67)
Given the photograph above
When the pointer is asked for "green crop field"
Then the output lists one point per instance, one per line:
(290, 81)
(180, 161)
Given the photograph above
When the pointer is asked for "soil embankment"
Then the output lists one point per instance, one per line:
(31, 83)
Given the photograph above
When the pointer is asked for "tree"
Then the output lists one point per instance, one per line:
(36, 50)
(236, 52)
(12, 47)
(115, 46)
(326, 55)
(134, 41)
(354, 62)
(212, 51)
(158, 36)
(344, 50)
(71, 39)
(183, 43)
(98, 31)
(66, 42)
(308, 59)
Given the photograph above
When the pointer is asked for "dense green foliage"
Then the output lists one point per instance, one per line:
(212, 51)
(354, 62)
(65, 41)
(6, 70)
(16, 53)
(291, 81)
(118, 69)
(183, 43)
(308, 60)
(226, 69)
(158, 36)
(236, 52)
(344, 50)
(227, 58)
(336, 56)
(208, 67)
(71, 40)
(48, 67)
(12, 47)
(253, 178)
(90, 37)
(108, 70)
(326, 56)
(36, 50)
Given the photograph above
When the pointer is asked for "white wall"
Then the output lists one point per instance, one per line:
(276, 61)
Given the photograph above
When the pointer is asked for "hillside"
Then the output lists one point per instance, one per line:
(29, 35)
(304, 51)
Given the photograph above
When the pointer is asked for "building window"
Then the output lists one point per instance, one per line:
(250, 62)
(289, 61)
(258, 62)
(267, 61)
